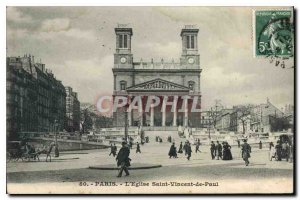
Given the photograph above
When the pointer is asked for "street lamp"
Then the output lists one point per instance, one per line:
(56, 151)
(126, 123)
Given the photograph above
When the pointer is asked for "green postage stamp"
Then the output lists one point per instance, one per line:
(273, 33)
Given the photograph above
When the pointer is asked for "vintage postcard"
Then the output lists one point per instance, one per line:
(150, 100)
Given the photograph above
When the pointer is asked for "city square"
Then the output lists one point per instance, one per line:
(179, 105)
(73, 167)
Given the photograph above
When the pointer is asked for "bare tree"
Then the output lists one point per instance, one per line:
(243, 115)
(215, 112)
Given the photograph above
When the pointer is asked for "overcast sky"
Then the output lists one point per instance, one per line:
(77, 44)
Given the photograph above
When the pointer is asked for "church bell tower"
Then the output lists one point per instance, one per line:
(123, 57)
(189, 56)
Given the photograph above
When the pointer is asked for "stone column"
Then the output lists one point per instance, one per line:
(141, 111)
(129, 112)
(175, 114)
(152, 115)
(163, 123)
(185, 112)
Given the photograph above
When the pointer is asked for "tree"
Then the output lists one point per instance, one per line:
(86, 121)
(279, 123)
(243, 115)
(103, 122)
(215, 112)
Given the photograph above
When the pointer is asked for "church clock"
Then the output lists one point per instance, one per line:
(123, 60)
(191, 60)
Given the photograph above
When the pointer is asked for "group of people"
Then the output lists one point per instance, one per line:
(223, 151)
(113, 150)
(220, 151)
(186, 148)
(282, 150)
(158, 139)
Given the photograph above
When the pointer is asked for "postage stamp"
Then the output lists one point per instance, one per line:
(273, 33)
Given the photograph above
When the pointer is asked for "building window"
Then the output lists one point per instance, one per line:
(190, 41)
(120, 41)
(123, 41)
(122, 85)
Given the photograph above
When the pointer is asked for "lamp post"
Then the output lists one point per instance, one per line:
(56, 151)
(126, 123)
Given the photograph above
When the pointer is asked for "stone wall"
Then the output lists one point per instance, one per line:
(67, 145)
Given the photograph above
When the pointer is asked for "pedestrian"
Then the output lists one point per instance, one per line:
(260, 144)
(197, 147)
(130, 144)
(227, 151)
(271, 145)
(172, 151)
(246, 150)
(180, 148)
(239, 143)
(272, 153)
(278, 148)
(123, 160)
(189, 151)
(111, 149)
(212, 150)
(115, 150)
(185, 147)
(138, 149)
(218, 151)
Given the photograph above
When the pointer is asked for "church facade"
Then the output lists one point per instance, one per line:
(176, 85)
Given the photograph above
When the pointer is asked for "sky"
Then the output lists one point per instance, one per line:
(78, 43)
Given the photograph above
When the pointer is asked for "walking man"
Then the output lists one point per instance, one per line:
(246, 150)
(278, 148)
(185, 147)
(188, 151)
(212, 150)
(115, 150)
(138, 148)
(218, 151)
(111, 150)
(180, 148)
(130, 144)
(123, 160)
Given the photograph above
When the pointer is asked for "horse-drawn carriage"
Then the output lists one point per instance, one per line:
(20, 150)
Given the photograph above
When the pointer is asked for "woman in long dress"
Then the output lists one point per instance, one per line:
(227, 151)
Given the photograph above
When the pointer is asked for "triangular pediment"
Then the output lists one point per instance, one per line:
(158, 84)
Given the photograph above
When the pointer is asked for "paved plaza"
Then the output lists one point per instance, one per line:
(73, 166)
